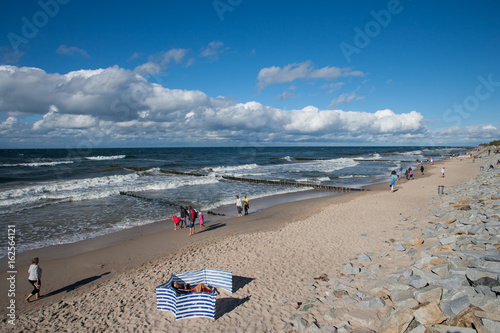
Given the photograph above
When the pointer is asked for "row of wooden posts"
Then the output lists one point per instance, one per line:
(262, 181)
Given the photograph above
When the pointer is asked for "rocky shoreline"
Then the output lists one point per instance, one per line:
(444, 280)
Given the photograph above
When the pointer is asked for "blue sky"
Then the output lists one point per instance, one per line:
(240, 72)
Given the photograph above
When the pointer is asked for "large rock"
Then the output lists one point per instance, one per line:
(362, 318)
(468, 318)
(371, 303)
(429, 314)
(396, 321)
(428, 294)
(452, 282)
(441, 270)
(403, 299)
(454, 307)
(491, 325)
(454, 329)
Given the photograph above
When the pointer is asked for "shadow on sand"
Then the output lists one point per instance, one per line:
(228, 304)
(209, 227)
(76, 285)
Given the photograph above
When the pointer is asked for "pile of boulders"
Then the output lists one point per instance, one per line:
(446, 280)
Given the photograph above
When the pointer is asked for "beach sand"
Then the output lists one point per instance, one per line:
(272, 253)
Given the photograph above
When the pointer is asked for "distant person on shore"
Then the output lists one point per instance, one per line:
(192, 219)
(422, 169)
(184, 217)
(239, 206)
(200, 218)
(432, 161)
(411, 173)
(246, 202)
(176, 221)
(442, 172)
(35, 278)
(393, 182)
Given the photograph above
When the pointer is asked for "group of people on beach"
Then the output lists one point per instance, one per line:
(409, 174)
(240, 204)
(188, 215)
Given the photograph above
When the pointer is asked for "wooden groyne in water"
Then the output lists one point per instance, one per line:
(290, 183)
(149, 199)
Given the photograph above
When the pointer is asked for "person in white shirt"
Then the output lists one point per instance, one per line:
(239, 206)
(35, 278)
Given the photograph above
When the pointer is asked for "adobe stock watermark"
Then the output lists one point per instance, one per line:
(222, 6)
(30, 28)
(470, 104)
(372, 29)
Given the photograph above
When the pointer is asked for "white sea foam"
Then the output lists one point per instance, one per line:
(94, 188)
(228, 169)
(36, 164)
(105, 158)
(410, 153)
(373, 157)
(353, 176)
(315, 180)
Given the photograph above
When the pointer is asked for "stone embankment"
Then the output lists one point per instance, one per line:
(445, 280)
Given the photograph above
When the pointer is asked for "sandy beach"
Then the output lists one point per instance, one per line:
(272, 254)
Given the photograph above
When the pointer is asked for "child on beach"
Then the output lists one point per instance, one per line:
(442, 172)
(393, 182)
(176, 221)
(200, 218)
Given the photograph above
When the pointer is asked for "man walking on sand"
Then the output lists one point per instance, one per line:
(239, 206)
(442, 172)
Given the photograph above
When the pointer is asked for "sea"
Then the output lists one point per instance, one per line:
(59, 196)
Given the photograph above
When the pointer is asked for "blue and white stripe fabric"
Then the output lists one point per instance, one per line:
(193, 304)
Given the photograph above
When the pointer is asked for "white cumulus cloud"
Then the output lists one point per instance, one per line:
(115, 106)
(305, 70)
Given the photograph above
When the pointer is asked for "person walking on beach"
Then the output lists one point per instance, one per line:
(246, 202)
(442, 172)
(239, 206)
(411, 173)
(200, 218)
(192, 219)
(35, 278)
(393, 182)
(422, 169)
